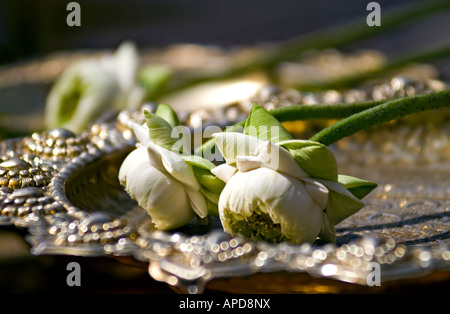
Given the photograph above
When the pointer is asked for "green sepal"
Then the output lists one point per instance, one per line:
(160, 131)
(198, 161)
(167, 113)
(358, 187)
(202, 172)
(208, 180)
(264, 126)
(313, 157)
(341, 203)
(213, 208)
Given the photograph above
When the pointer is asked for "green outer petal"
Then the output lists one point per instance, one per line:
(198, 161)
(202, 170)
(314, 158)
(160, 131)
(208, 180)
(328, 231)
(212, 207)
(341, 203)
(212, 197)
(358, 187)
(261, 124)
(167, 113)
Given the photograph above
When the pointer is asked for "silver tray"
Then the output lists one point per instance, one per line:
(63, 188)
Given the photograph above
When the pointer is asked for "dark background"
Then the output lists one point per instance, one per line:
(35, 31)
(35, 27)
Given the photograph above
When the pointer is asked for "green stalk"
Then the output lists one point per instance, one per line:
(380, 114)
(357, 29)
(304, 112)
(325, 111)
(423, 56)
(335, 37)
(355, 117)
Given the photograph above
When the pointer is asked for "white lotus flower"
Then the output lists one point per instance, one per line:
(269, 196)
(90, 87)
(162, 183)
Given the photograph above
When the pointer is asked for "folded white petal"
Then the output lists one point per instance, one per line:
(154, 158)
(198, 202)
(336, 186)
(247, 163)
(279, 159)
(136, 159)
(141, 132)
(224, 172)
(284, 198)
(163, 197)
(317, 191)
(341, 203)
(176, 167)
(232, 144)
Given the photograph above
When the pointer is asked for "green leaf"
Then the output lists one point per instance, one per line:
(314, 158)
(160, 131)
(167, 113)
(358, 187)
(264, 126)
(341, 203)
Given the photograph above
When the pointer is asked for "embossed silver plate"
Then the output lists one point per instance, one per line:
(63, 188)
(83, 211)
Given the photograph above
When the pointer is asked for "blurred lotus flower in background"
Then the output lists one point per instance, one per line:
(89, 88)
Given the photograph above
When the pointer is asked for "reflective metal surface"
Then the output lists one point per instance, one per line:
(63, 188)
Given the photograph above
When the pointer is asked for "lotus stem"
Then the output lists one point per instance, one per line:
(381, 114)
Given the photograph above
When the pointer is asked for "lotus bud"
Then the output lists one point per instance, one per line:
(90, 87)
(262, 199)
(162, 184)
(172, 187)
(281, 189)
